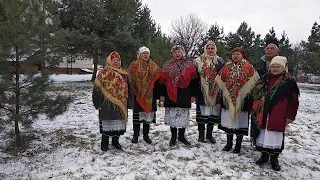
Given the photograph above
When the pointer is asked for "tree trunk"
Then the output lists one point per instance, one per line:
(71, 63)
(67, 66)
(17, 103)
(95, 66)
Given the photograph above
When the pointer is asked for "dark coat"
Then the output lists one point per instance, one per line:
(261, 66)
(183, 97)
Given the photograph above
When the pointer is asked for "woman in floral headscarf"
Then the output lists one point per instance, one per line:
(235, 80)
(178, 77)
(144, 75)
(112, 97)
(208, 65)
(276, 102)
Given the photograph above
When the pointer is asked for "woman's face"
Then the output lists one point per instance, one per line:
(145, 56)
(236, 56)
(115, 62)
(210, 50)
(177, 54)
(276, 69)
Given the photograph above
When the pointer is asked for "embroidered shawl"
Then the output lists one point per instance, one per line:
(111, 82)
(206, 66)
(143, 75)
(236, 80)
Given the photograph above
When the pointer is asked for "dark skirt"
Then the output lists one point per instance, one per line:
(205, 119)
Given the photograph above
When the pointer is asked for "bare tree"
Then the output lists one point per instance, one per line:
(189, 31)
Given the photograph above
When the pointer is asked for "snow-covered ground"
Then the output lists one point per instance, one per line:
(70, 77)
(69, 148)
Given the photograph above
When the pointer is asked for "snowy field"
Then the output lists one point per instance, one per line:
(69, 148)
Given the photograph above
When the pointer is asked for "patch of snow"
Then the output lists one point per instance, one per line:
(70, 77)
(69, 148)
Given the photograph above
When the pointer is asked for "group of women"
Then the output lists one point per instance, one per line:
(225, 93)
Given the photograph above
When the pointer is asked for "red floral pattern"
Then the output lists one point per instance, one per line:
(209, 72)
(235, 76)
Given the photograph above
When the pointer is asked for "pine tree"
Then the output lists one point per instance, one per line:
(311, 63)
(286, 50)
(160, 47)
(270, 35)
(144, 26)
(27, 30)
(257, 49)
(243, 38)
(96, 28)
(215, 34)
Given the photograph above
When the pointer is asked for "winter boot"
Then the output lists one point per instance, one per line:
(201, 132)
(209, 133)
(263, 159)
(274, 162)
(115, 142)
(136, 131)
(237, 148)
(146, 129)
(182, 138)
(173, 139)
(229, 142)
(104, 142)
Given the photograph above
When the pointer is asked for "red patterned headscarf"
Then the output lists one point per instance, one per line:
(244, 55)
(177, 73)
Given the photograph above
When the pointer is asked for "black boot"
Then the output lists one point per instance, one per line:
(209, 133)
(263, 159)
(136, 131)
(274, 162)
(115, 142)
(182, 138)
(237, 148)
(229, 142)
(146, 129)
(104, 142)
(173, 139)
(201, 132)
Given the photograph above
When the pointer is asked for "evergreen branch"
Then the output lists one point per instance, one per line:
(26, 85)
(6, 108)
(29, 112)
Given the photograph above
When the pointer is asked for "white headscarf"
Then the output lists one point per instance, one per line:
(141, 50)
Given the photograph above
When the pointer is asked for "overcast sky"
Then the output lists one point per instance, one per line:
(296, 17)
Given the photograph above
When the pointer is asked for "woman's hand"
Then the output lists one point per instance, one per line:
(193, 99)
(288, 121)
(218, 105)
(99, 108)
